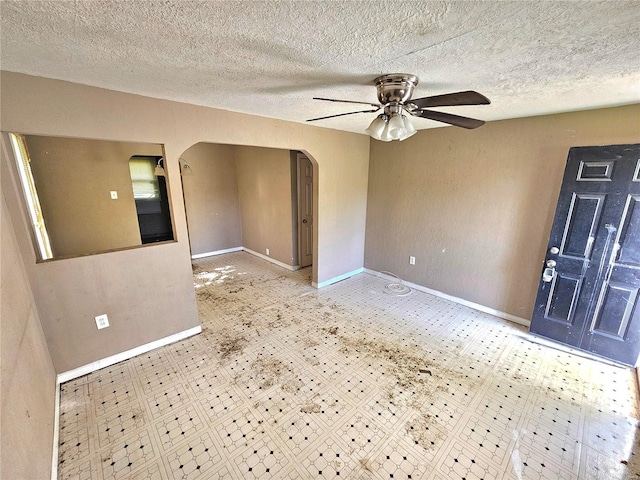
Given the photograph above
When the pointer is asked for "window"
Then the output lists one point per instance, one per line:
(144, 182)
(31, 196)
(150, 195)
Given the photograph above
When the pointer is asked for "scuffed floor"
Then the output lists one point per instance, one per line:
(350, 381)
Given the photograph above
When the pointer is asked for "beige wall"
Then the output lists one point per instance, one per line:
(211, 198)
(241, 196)
(27, 384)
(475, 207)
(148, 292)
(264, 187)
(74, 178)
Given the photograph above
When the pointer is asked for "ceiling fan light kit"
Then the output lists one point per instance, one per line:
(387, 128)
(377, 127)
(394, 94)
(411, 130)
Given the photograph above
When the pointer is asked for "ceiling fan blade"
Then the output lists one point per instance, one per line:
(451, 99)
(458, 121)
(342, 114)
(347, 101)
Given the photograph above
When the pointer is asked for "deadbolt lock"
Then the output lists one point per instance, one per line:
(554, 250)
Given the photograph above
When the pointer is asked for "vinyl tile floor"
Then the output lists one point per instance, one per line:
(356, 380)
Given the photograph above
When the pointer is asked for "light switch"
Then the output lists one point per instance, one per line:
(114, 195)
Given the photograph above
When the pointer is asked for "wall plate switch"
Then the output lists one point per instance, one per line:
(102, 321)
(114, 195)
(412, 260)
(267, 251)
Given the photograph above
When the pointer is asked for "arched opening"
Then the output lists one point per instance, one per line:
(256, 199)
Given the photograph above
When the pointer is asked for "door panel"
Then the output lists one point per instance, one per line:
(595, 171)
(588, 296)
(584, 217)
(630, 232)
(563, 298)
(615, 311)
(615, 333)
(305, 211)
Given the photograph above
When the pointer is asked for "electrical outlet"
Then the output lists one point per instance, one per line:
(412, 260)
(114, 195)
(102, 321)
(267, 251)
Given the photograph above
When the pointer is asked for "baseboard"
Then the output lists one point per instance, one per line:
(105, 362)
(461, 301)
(337, 279)
(293, 268)
(217, 252)
(56, 434)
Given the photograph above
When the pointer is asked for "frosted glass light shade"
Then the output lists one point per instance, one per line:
(377, 127)
(386, 135)
(410, 129)
(396, 127)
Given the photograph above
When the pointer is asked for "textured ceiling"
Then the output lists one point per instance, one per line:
(270, 58)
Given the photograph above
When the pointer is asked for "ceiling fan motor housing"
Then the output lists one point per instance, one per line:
(395, 88)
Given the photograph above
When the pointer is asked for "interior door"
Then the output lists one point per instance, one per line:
(305, 211)
(588, 294)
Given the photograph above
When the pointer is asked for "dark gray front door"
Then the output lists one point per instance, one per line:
(588, 294)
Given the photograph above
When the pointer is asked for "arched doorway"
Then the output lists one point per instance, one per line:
(257, 199)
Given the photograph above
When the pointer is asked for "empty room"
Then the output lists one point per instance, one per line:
(320, 239)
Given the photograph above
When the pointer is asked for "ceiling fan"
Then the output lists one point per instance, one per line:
(394, 95)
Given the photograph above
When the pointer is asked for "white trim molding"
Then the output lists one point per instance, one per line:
(56, 433)
(337, 279)
(272, 260)
(461, 301)
(217, 252)
(119, 357)
(252, 252)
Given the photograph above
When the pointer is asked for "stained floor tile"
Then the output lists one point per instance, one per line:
(356, 380)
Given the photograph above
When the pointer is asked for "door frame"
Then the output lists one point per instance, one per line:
(299, 209)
